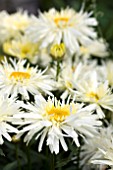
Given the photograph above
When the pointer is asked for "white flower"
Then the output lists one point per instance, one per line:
(66, 25)
(96, 48)
(55, 120)
(107, 157)
(22, 48)
(44, 57)
(90, 150)
(12, 25)
(15, 79)
(104, 153)
(8, 108)
(107, 72)
(66, 78)
(70, 74)
(94, 92)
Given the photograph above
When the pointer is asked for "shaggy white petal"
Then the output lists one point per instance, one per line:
(56, 120)
(65, 25)
(16, 79)
(8, 109)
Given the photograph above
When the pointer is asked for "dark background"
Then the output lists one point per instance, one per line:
(103, 11)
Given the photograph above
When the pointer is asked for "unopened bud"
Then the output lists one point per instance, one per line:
(57, 51)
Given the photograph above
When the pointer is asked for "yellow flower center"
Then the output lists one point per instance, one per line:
(84, 50)
(63, 20)
(69, 84)
(93, 95)
(58, 114)
(25, 48)
(20, 75)
(73, 68)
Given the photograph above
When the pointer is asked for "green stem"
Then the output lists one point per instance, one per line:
(52, 162)
(17, 156)
(28, 158)
(58, 69)
(78, 158)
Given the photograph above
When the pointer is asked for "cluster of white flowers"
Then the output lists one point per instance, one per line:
(51, 84)
(99, 150)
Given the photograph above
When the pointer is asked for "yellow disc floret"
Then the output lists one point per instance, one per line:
(57, 113)
(61, 20)
(93, 95)
(19, 75)
(20, 48)
(84, 50)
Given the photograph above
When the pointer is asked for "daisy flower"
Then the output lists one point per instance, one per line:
(90, 150)
(107, 158)
(66, 83)
(105, 149)
(66, 25)
(70, 74)
(54, 120)
(107, 72)
(22, 48)
(94, 92)
(8, 108)
(12, 25)
(15, 79)
(96, 48)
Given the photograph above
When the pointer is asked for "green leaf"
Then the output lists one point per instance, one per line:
(1, 152)
(11, 166)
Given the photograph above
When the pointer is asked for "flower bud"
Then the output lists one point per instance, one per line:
(57, 51)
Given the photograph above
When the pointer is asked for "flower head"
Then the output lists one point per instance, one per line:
(22, 48)
(8, 108)
(94, 92)
(107, 72)
(95, 142)
(67, 26)
(56, 120)
(15, 79)
(70, 74)
(103, 154)
(12, 25)
(96, 48)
